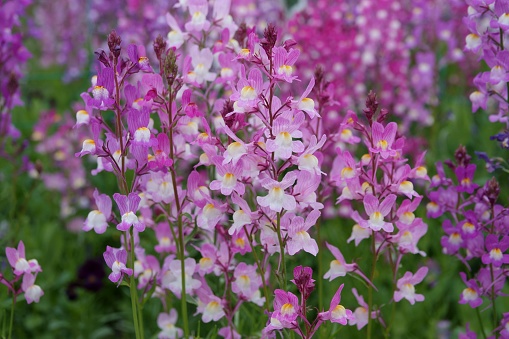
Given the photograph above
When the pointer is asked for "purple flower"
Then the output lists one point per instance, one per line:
(465, 177)
(116, 259)
(496, 250)
(471, 294)
(128, 205)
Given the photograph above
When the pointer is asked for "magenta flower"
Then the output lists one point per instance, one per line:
(286, 309)
(337, 313)
(471, 294)
(465, 177)
(496, 250)
(277, 199)
(303, 279)
(383, 137)
(453, 242)
(116, 259)
(98, 219)
(32, 292)
(406, 288)
(128, 205)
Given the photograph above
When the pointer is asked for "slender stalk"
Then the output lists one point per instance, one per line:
(260, 268)
(282, 251)
(320, 268)
(134, 292)
(181, 246)
(493, 299)
(480, 322)
(11, 321)
(370, 288)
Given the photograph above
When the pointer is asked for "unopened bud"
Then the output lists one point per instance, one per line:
(461, 156)
(114, 42)
(159, 46)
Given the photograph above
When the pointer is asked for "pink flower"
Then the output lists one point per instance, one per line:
(337, 313)
(285, 129)
(32, 292)
(247, 281)
(116, 259)
(338, 266)
(18, 261)
(98, 219)
(283, 63)
(299, 237)
(229, 177)
(277, 199)
(306, 104)
(406, 288)
(247, 91)
(167, 322)
(383, 137)
(286, 309)
(377, 212)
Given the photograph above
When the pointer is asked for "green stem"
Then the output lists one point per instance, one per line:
(260, 268)
(493, 297)
(480, 322)
(320, 268)
(12, 316)
(282, 251)
(134, 292)
(370, 288)
(183, 301)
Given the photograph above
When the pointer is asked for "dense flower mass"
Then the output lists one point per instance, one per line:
(226, 148)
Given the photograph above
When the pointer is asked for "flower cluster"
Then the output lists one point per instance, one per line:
(475, 227)
(375, 182)
(488, 22)
(13, 56)
(291, 313)
(25, 270)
